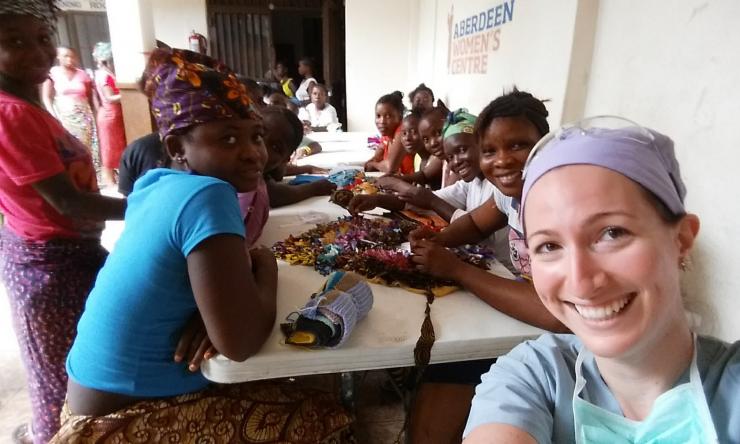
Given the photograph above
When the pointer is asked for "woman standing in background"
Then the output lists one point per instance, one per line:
(68, 96)
(111, 133)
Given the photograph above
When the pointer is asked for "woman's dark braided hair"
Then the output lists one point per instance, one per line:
(420, 88)
(394, 99)
(514, 104)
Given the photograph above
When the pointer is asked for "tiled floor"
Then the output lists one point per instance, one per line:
(379, 413)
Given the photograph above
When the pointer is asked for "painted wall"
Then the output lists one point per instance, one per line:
(677, 72)
(378, 43)
(174, 20)
(493, 49)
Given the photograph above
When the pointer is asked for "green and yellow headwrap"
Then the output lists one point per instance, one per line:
(457, 122)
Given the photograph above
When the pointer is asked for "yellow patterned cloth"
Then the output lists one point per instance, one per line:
(258, 412)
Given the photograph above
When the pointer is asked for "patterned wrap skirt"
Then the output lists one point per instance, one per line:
(255, 412)
(47, 285)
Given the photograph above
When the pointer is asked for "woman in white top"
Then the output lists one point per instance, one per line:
(305, 68)
(319, 113)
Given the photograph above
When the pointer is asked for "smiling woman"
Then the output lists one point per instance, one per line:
(181, 286)
(50, 246)
(606, 261)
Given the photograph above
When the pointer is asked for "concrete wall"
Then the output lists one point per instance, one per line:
(378, 45)
(676, 71)
(419, 45)
(174, 20)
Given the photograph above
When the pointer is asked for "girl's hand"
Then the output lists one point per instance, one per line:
(370, 165)
(391, 182)
(418, 196)
(379, 152)
(420, 234)
(194, 346)
(435, 259)
(360, 203)
(322, 187)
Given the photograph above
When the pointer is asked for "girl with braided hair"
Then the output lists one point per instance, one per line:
(50, 246)
(506, 130)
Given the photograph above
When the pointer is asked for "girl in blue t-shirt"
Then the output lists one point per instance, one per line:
(180, 270)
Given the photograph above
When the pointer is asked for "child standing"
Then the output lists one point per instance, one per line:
(389, 154)
(283, 134)
(50, 246)
(184, 241)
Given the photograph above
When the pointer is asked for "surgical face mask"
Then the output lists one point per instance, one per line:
(680, 415)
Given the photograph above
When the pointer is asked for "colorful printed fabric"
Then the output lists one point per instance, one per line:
(369, 248)
(47, 285)
(188, 88)
(262, 412)
(457, 122)
(43, 10)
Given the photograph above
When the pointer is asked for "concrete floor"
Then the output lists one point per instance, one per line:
(15, 408)
(380, 414)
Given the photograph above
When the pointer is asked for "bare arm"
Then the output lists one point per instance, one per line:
(366, 202)
(473, 227)
(109, 96)
(233, 295)
(432, 171)
(425, 198)
(392, 163)
(282, 194)
(59, 192)
(47, 96)
(513, 298)
(499, 433)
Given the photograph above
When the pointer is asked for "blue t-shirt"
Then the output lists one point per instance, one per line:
(532, 388)
(142, 297)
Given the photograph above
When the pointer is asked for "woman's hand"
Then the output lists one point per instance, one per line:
(360, 203)
(317, 170)
(194, 346)
(322, 187)
(435, 259)
(420, 234)
(418, 196)
(393, 183)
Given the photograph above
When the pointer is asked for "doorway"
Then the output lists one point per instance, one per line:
(252, 35)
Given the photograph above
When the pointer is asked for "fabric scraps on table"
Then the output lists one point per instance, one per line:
(369, 247)
(349, 183)
(427, 218)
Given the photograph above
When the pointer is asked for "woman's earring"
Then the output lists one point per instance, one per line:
(179, 159)
(683, 264)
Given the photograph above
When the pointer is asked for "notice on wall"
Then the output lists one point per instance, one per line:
(474, 38)
(81, 5)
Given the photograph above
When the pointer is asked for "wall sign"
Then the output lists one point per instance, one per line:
(81, 5)
(472, 38)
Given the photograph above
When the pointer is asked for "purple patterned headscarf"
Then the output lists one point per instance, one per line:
(188, 88)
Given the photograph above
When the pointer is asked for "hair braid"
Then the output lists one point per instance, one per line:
(514, 104)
